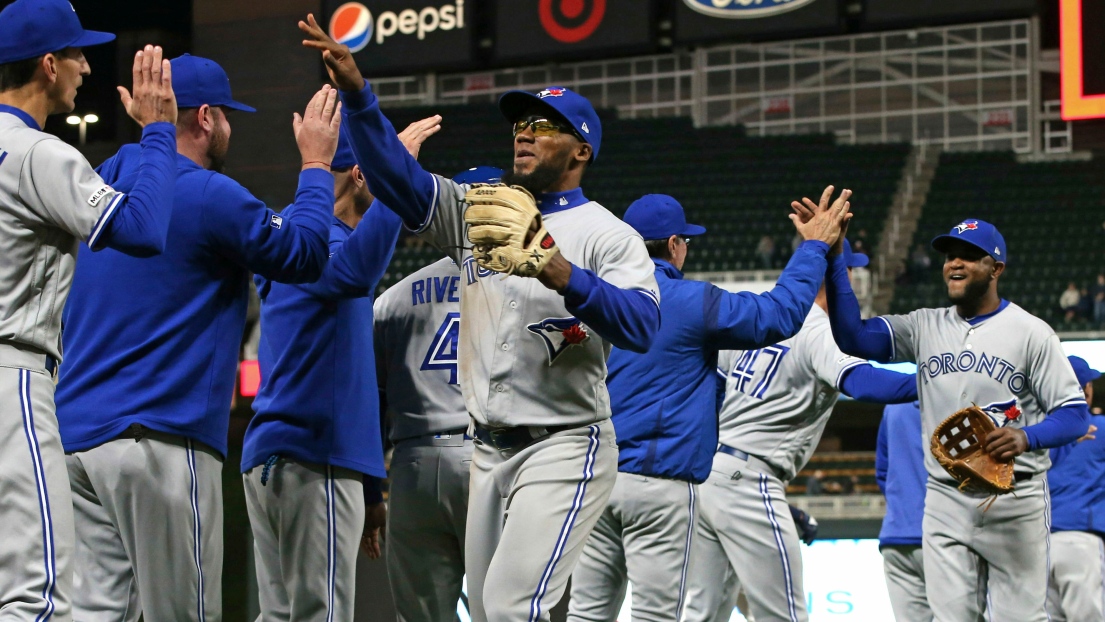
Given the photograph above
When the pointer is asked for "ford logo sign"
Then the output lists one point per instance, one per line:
(745, 9)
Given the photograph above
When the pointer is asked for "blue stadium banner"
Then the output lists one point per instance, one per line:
(393, 36)
(703, 21)
(933, 12)
(550, 30)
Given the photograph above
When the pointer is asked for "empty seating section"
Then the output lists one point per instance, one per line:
(836, 467)
(1049, 213)
(739, 187)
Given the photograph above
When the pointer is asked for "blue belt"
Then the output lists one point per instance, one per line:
(732, 451)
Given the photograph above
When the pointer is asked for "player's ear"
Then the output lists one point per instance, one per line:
(49, 66)
(206, 117)
(583, 152)
(999, 268)
(357, 175)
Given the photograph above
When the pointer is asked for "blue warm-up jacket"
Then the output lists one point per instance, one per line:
(155, 341)
(664, 413)
(901, 475)
(1077, 484)
(622, 317)
(318, 399)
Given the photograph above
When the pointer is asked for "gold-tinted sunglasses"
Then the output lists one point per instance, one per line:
(542, 127)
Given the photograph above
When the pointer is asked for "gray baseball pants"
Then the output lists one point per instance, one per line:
(995, 559)
(529, 515)
(149, 518)
(744, 524)
(36, 513)
(307, 522)
(427, 511)
(1076, 589)
(643, 537)
(904, 568)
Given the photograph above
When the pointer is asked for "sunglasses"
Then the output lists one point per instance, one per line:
(542, 127)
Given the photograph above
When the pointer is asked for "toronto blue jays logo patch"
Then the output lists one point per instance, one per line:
(967, 225)
(559, 334)
(1007, 411)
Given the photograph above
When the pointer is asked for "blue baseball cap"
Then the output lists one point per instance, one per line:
(977, 233)
(853, 259)
(1083, 371)
(658, 217)
(573, 107)
(31, 28)
(343, 157)
(198, 81)
(479, 175)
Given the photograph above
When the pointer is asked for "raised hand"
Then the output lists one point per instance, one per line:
(153, 99)
(316, 132)
(417, 133)
(821, 221)
(337, 57)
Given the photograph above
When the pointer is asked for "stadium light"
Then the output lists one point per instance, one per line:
(83, 123)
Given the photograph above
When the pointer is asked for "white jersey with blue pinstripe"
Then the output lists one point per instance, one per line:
(524, 359)
(778, 399)
(50, 201)
(1010, 364)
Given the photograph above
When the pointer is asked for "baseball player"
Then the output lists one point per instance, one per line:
(50, 201)
(900, 474)
(143, 402)
(313, 450)
(664, 412)
(987, 351)
(417, 327)
(1076, 481)
(777, 402)
(532, 350)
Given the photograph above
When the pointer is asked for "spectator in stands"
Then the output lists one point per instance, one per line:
(765, 250)
(813, 483)
(1068, 301)
(1097, 292)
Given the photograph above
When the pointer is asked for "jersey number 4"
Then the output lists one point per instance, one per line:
(744, 370)
(442, 353)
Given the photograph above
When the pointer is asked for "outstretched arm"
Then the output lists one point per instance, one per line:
(871, 384)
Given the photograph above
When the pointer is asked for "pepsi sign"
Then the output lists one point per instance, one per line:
(744, 9)
(391, 36)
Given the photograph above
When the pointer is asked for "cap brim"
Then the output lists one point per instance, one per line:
(90, 38)
(858, 260)
(233, 105)
(693, 230)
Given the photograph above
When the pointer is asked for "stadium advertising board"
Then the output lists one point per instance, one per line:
(1082, 58)
(390, 36)
(710, 20)
(913, 13)
(555, 29)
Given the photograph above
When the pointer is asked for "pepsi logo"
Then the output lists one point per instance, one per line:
(744, 9)
(352, 25)
(571, 21)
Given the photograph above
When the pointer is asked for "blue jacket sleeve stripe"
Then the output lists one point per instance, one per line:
(104, 219)
(843, 372)
(433, 208)
(893, 339)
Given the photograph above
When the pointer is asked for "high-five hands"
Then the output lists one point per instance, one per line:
(153, 99)
(821, 221)
(417, 133)
(337, 57)
(316, 131)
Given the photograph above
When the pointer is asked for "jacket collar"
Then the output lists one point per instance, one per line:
(667, 269)
(27, 119)
(552, 202)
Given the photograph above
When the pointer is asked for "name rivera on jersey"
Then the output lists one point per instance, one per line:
(994, 367)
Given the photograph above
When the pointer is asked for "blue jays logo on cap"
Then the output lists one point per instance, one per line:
(967, 226)
(977, 233)
(559, 334)
(551, 92)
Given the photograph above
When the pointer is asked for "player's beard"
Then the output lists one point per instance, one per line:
(543, 175)
(217, 148)
(973, 291)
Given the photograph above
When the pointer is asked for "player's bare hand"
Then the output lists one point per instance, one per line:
(417, 133)
(337, 57)
(828, 222)
(1004, 444)
(316, 131)
(153, 98)
(1090, 434)
(807, 209)
(375, 519)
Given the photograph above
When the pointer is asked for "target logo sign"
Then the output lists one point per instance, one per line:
(571, 21)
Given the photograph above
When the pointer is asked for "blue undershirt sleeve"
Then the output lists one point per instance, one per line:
(869, 339)
(373, 491)
(626, 318)
(1063, 425)
(356, 265)
(393, 175)
(139, 226)
(747, 321)
(881, 455)
(871, 384)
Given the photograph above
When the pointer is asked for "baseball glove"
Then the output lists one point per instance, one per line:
(956, 445)
(506, 230)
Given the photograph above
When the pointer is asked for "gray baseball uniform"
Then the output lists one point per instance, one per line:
(1009, 363)
(417, 328)
(1076, 590)
(777, 403)
(50, 201)
(525, 361)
